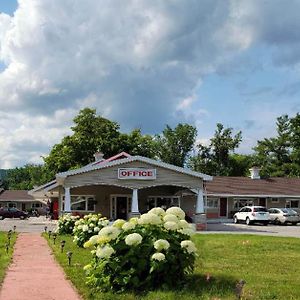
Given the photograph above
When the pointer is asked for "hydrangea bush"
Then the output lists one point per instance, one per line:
(66, 223)
(144, 253)
(88, 226)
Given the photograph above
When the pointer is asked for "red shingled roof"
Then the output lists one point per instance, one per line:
(14, 195)
(246, 186)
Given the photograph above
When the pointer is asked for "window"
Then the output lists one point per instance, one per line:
(239, 203)
(212, 203)
(162, 201)
(292, 204)
(274, 200)
(36, 205)
(81, 203)
(12, 205)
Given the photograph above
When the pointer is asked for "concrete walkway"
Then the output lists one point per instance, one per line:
(34, 274)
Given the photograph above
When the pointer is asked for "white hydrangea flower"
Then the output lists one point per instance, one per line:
(187, 231)
(176, 211)
(149, 218)
(92, 225)
(103, 222)
(171, 225)
(157, 211)
(170, 218)
(134, 220)
(79, 227)
(94, 239)
(183, 224)
(128, 226)
(104, 252)
(85, 228)
(158, 256)
(189, 246)
(94, 219)
(119, 223)
(109, 231)
(96, 229)
(161, 245)
(133, 239)
(77, 223)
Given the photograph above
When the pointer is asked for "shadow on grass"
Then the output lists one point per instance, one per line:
(196, 287)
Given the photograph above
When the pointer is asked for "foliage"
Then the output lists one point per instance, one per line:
(25, 178)
(142, 254)
(280, 155)
(88, 226)
(215, 158)
(66, 224)
(174, 145)
(5, 258)
(92, 133)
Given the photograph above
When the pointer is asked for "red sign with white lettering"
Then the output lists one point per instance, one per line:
(137, 173)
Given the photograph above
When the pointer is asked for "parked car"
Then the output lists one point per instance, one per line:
(284, 216)
(252, 214)
(11, 212)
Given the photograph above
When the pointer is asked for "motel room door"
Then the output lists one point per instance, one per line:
(223, 207)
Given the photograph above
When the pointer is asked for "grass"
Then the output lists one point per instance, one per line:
(269, 265)
(5, 258)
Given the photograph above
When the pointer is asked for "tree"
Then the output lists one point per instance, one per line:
(25, 178)
(174, 145)
(91, 133)
(215, 158)
(280, 156)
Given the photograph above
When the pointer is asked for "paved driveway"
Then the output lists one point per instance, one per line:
(275, 230)
(33, 224)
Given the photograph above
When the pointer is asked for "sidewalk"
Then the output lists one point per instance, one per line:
(34, 274)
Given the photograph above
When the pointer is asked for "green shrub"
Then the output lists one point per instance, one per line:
(88, 226)
(142, 254)
(66, 223)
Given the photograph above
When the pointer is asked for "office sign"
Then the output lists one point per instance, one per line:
(137, 173)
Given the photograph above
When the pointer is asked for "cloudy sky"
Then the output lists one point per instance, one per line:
(144, 63)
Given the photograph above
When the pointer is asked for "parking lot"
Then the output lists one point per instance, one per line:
(32, 224)
(274, 230)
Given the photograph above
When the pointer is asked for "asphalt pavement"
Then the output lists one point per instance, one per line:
(32, 224)
(258, 229)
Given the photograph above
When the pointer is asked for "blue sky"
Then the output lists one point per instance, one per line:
(233, 62)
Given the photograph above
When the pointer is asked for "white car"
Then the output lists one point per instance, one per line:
(252, 214)
(284, 216)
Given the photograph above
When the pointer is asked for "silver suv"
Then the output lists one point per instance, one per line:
(252, 214)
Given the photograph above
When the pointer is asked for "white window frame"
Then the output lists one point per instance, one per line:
(33, 205)
(86, 203)
(274, 200)
(249, 202)
(215, 201)
(288, 203)
(164, 196)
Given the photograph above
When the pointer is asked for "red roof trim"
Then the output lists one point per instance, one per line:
(115, 157)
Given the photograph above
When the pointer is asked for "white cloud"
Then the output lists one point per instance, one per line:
(135, 61)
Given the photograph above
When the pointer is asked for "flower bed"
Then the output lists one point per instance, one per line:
(66, 224)
(142, 254)
(88, 226)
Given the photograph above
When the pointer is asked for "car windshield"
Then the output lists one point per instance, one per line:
(285, 210)
(258, 209)
(290, 211)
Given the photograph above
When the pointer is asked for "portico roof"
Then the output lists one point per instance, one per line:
(108, 163)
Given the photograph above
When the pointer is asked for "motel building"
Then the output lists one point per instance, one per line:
(124, 186)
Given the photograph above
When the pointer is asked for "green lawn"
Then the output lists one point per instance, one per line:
(269, 265)
(5, 258)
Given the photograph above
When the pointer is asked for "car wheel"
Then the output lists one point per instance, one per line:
(266, 223)
(235, 220)
(22, 217)
(294, 223)
(248, 222)
(277, 221)
(1, 218)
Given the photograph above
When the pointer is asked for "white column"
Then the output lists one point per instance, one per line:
(200, 202)
(67, 200)
(135, 201)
